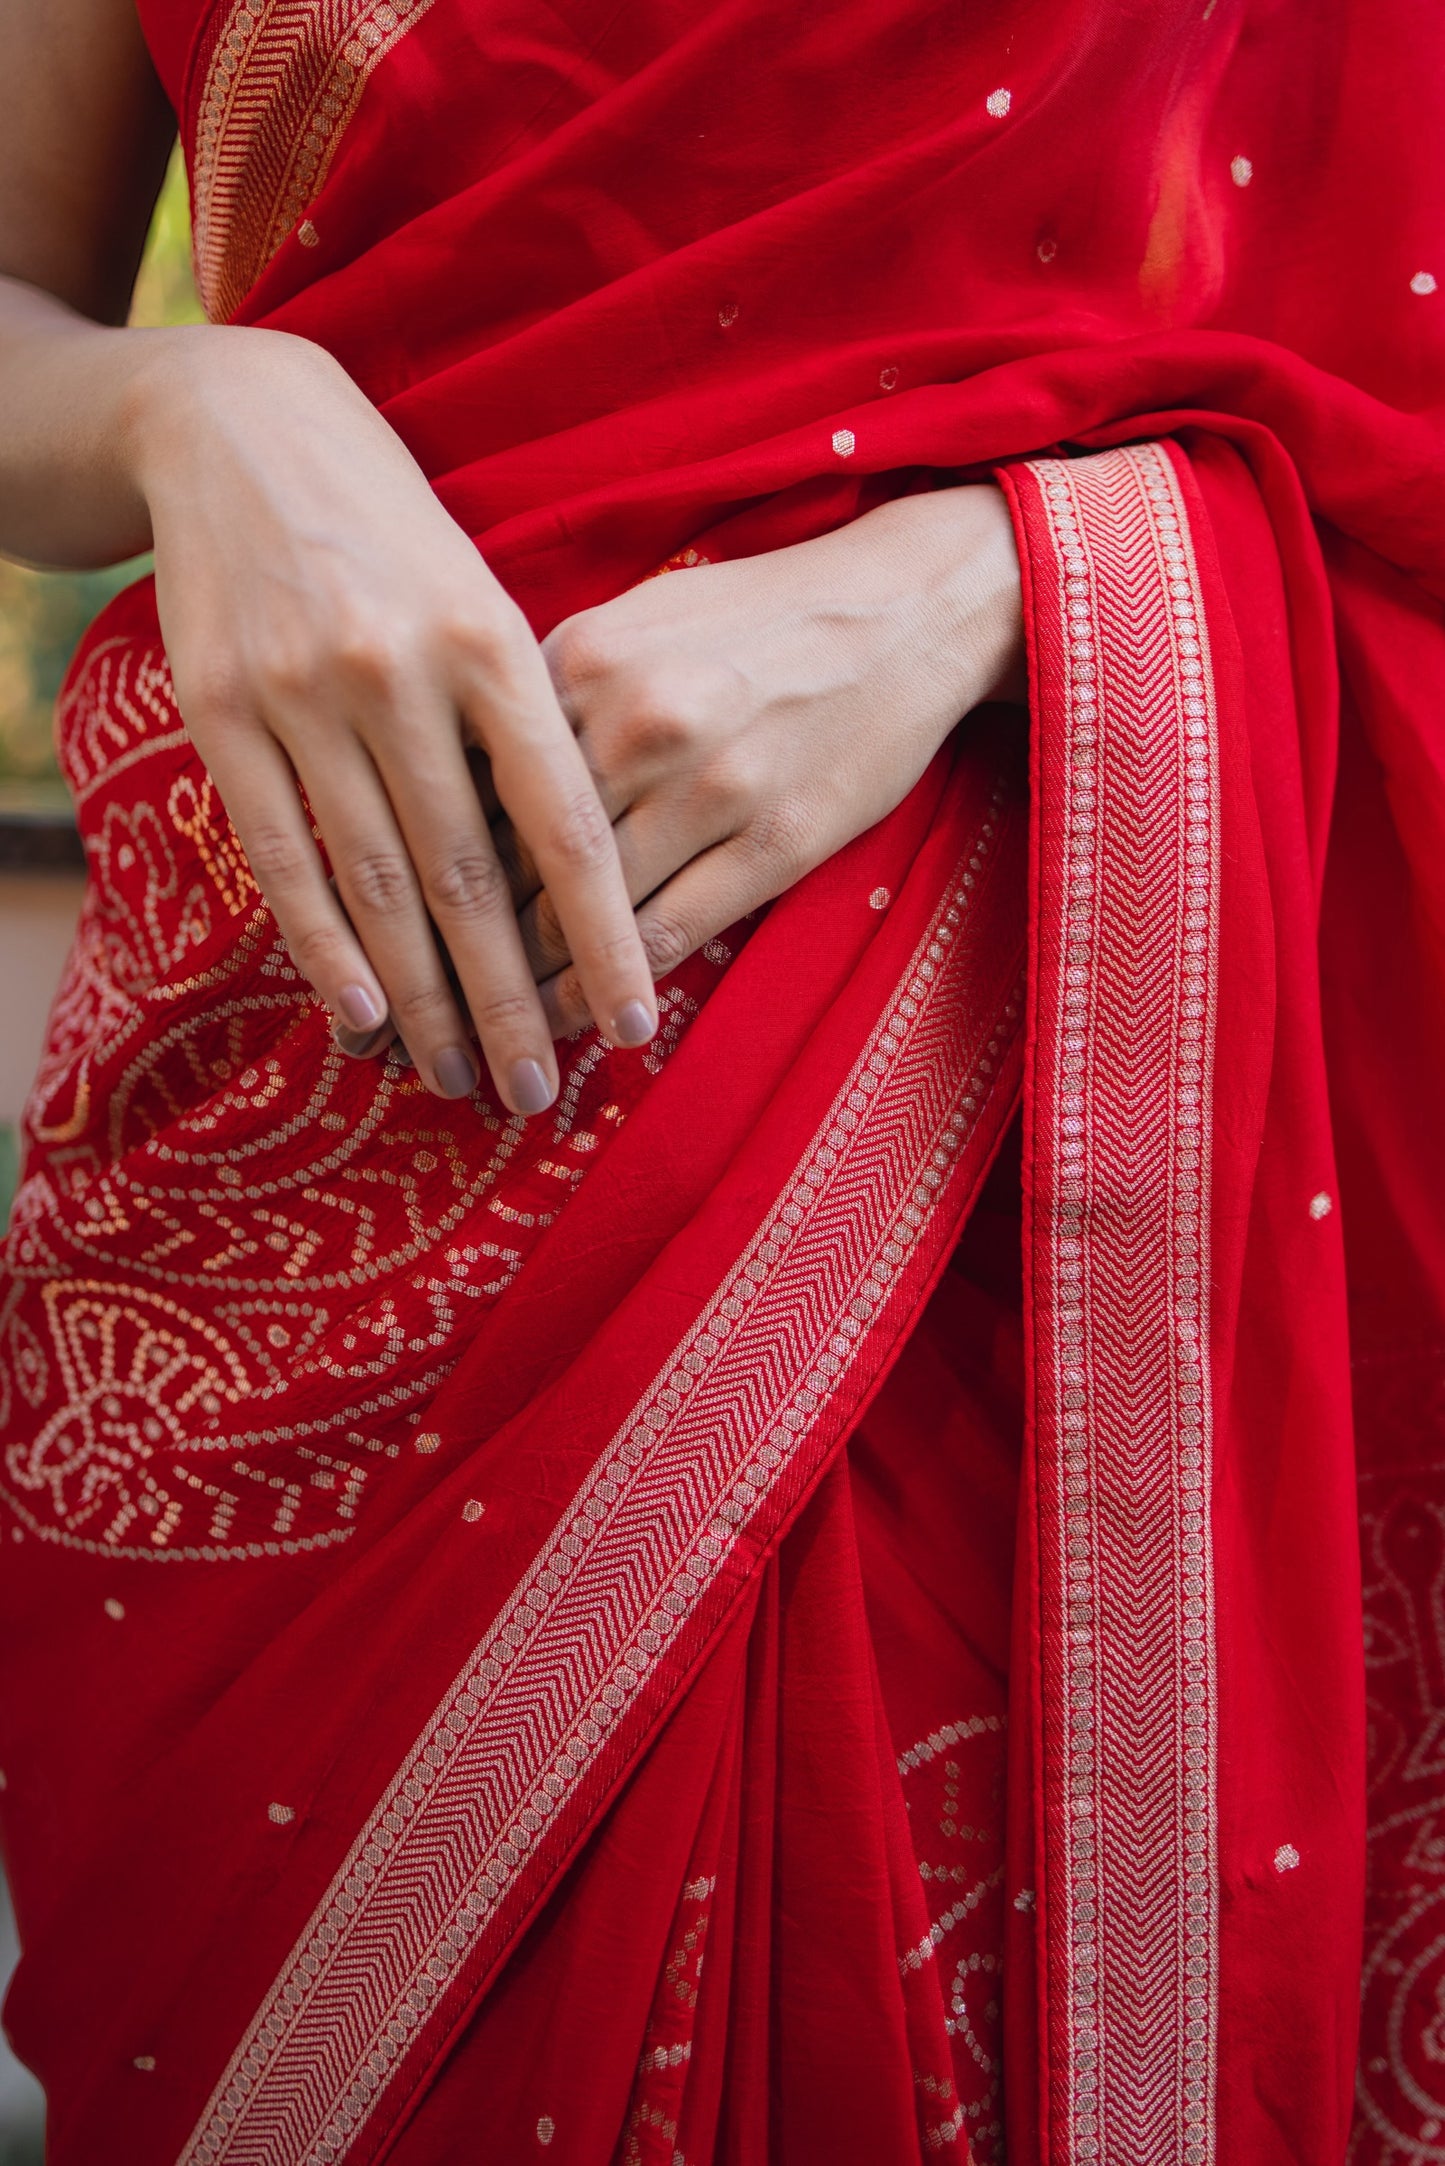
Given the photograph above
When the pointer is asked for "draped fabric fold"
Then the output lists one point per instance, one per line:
(781, 1612)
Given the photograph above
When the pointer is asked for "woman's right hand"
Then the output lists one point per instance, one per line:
(328, 624)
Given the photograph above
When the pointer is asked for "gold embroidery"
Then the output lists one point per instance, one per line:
(231, 1246)
(285, 78)
(196, 813)
(1125, 1046)
(714, 1433)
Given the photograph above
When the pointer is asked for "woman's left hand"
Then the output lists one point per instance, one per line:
(743, 721)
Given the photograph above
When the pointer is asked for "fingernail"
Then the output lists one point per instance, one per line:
(358, 1045)
(456, 1072)
(359, 1009)
(634, 1026)
(531, 1092)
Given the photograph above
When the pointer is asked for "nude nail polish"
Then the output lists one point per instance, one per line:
(359, 1009)
(531, 1092)
(456, 1072)
(358, 1045)
(634, 1026)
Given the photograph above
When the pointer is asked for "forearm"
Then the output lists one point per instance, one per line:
(90, 413)
(70, 394)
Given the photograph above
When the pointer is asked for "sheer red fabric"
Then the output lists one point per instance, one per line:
(460, 1575)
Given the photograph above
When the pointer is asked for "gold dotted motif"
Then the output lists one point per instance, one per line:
(948, 1777)
(241, 1264)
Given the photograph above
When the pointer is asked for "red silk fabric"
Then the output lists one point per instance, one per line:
(453, 1589)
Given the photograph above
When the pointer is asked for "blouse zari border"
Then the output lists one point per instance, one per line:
(1125, 965)
(737, 1416)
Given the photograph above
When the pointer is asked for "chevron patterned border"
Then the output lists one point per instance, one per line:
(1126, 974)
(703, 1457)
(283, 81)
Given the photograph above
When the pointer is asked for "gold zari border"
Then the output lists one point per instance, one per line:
(284, 79)
(526, 1719)
(1128, 967)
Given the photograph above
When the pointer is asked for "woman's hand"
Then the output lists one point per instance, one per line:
(327, 623)
(743, 721)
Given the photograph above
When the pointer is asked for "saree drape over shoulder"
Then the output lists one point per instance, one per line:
(781, 1613)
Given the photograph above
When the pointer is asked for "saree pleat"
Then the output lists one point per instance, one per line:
(792, 1859)
(571, 2032)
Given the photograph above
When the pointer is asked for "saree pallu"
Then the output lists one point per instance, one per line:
(515, 1630)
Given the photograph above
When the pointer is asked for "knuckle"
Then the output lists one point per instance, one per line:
(290, 676)
(470, 883)
(478, 640)
(666, 942)
(380, 881)
(667, 712)
(217, 691)
(579, 651)
(276, 857)
(580, 838)
(422, 1009)
(614, 951)
(725, 793)
(659, 732)
(504, 1015)
(370, 658)
(316, 951)
(780, 837)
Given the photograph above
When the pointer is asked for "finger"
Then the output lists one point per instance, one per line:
(470, 904)
(363, 1044)
(544, 784)
(653, 843)
(259, 790)
(360, 1044)
(711, 893)
(517, 859)
(383, 899)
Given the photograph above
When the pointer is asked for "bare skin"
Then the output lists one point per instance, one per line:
(687, 751)
(746, 720)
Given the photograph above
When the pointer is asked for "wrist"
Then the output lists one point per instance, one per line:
(190, 379)
(152, 398)
(956, 549)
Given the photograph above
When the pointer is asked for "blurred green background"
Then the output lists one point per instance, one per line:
(42, 614)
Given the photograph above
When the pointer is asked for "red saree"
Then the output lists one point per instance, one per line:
(515, 1631)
